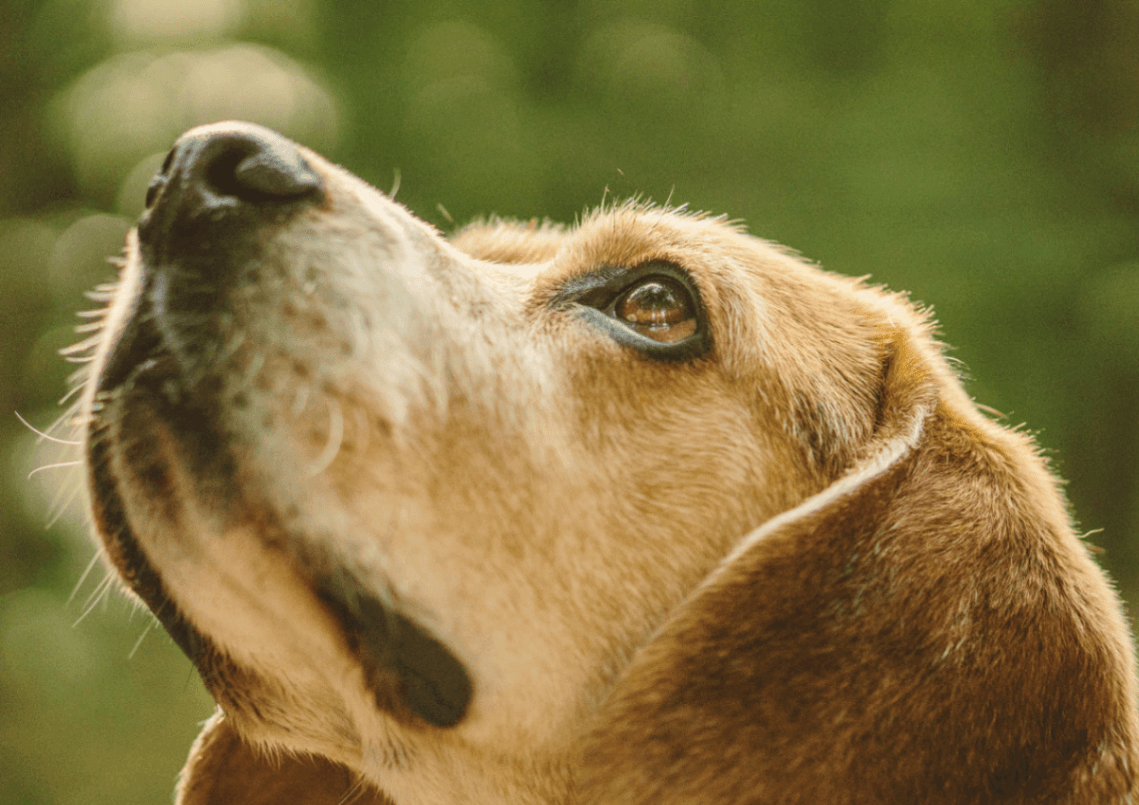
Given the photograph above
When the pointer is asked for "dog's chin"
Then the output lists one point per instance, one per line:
(156, 456)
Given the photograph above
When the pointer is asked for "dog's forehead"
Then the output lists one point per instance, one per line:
(633, 234)
(540, 257)
(612, 236)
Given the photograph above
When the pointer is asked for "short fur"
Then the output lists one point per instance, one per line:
(797, 568)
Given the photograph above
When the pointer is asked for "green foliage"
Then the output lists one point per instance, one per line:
(982, 155)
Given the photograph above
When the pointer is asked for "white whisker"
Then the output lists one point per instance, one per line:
(335, 439)
(63, 498)
(138, 642)
(76, 388)
(55, 466)
(353, 791)
(43, 435)
(93, 600)
(86, 572)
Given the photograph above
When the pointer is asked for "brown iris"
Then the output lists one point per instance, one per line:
(658, 308)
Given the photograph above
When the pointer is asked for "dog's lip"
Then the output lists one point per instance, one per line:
(122, 545)
(394, 650)
(407, 670)
(134, 345)
(141, 385)
(136, 354)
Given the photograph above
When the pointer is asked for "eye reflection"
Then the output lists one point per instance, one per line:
(658, 308)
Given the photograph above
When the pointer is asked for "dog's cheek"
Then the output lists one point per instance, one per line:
(685, 449)
(675, 466)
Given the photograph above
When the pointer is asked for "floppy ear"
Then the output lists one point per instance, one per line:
(224, 770)
(927, 629)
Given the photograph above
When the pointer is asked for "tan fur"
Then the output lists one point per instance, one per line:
(801, 568)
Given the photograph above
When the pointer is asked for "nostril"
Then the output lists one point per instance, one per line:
(227, 174)
(220, 172)
(276, 173)
(160, 178)
(256, 169)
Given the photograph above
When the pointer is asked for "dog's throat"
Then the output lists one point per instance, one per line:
(394, 650)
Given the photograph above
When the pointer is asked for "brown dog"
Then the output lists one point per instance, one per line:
(642, 511)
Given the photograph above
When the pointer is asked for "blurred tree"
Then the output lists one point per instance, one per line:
(1088, 56)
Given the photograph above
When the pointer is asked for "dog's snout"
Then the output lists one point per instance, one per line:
(227, 171)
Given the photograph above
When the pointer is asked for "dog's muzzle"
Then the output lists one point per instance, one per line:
(220, 195)
(205, 210)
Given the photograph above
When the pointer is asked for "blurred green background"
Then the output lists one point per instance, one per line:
(982, 154)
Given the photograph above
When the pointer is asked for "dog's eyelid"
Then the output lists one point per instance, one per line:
(598, 295)
(587, 288)
(608, 282)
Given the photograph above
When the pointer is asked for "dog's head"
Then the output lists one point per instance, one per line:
(641, 510)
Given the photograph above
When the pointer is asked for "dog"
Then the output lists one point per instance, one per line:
(642, 510)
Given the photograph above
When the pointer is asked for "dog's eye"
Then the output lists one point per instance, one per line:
(659, 308)
(653, 308)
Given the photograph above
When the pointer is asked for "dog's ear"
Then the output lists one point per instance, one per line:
(927, 629)
(225, 770)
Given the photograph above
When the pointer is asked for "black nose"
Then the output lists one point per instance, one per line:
(222, 193)
(229, 170)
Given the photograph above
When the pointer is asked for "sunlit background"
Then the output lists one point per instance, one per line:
(982, 154)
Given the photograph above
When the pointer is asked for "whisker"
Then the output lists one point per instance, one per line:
(85, 345)
(62, 502)
(75, 389)
(43, 435)
(97, 295)
(55, 466)
(138, 642)
(353, 792)
(86, 572)
(335, 439)
(94, 598)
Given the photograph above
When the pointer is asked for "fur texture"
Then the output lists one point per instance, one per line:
(789, 564)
